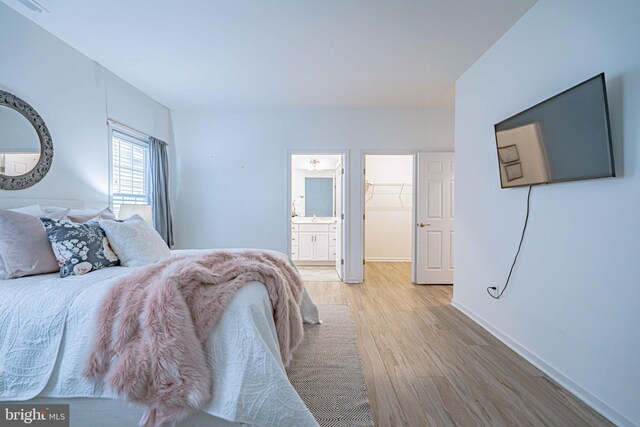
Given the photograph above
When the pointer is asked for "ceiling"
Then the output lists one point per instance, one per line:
(284, 53)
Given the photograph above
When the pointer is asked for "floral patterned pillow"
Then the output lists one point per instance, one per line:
(79, 248)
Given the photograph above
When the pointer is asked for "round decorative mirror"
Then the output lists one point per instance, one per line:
(26, 148)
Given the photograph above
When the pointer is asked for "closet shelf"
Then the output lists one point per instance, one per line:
(371, 186)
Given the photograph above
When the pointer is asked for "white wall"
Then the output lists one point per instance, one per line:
(572, 306)
(132, 107)
(233, 167)
(74, 96)
(389, 208)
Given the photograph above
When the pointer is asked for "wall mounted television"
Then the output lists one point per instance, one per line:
(565, 138)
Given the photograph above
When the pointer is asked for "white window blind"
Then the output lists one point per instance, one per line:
(129, 170)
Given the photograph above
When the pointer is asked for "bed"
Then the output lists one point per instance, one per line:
(46, 324)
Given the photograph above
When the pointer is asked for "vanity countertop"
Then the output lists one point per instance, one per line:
(311, 220)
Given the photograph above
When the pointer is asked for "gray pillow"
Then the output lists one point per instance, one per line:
(24, 247)
(79, 248)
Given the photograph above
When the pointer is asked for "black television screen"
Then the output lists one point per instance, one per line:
(565, 138)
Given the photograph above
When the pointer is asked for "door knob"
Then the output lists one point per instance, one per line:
(422, 225)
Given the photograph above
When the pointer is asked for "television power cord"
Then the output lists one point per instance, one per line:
(524, 229)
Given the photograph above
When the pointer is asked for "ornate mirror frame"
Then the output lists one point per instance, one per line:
(36, 174)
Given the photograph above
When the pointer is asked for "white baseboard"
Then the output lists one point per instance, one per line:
(586, 396)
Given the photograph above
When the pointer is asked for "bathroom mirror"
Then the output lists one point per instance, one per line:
(318, 197)
(26, 148)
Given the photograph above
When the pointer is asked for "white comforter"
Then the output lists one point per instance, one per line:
(46, 323)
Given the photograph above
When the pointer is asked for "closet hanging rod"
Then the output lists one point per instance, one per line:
(372, 186)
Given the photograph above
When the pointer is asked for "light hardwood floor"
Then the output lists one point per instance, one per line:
(426, 364)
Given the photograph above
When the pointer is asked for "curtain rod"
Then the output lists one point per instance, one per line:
(124, 125)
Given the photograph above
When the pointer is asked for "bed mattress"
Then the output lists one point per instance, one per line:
(46, 324)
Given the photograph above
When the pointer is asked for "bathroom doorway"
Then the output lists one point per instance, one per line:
(317, 195)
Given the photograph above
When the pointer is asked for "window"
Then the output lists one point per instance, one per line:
(129, 170)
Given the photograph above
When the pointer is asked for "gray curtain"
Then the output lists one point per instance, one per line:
(160, 190)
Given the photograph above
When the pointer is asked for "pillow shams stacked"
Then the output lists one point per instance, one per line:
(91, 214)
(81, 215)
(79, 248)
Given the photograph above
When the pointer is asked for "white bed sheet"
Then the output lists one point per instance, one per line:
(46, 324)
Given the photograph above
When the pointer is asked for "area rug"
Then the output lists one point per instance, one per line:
(318, 274)
(327, 373)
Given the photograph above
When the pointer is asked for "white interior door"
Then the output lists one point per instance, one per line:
(321, 246)
(434, 218)
(339, 219)
(19, 164)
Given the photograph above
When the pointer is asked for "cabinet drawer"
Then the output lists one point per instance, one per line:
(305, 228)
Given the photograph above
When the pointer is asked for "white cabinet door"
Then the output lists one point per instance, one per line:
(306, 246)
(434, 225)
(321, 247)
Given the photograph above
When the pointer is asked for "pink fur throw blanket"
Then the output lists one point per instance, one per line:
(149, 344)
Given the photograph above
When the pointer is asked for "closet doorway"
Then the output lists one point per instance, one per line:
(408, 215)
(388, 212)
(317, 196)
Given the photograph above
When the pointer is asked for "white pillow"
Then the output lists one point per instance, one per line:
(135, 242)
(33, 210)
